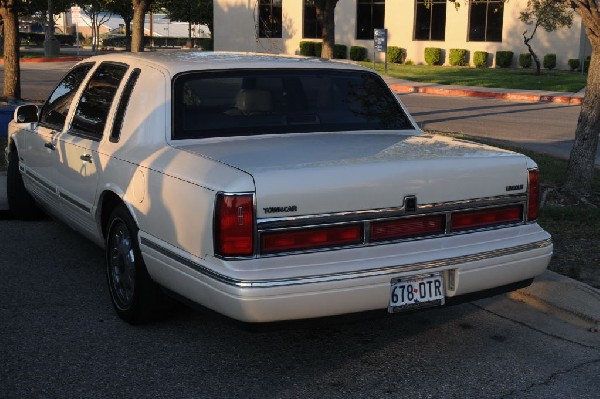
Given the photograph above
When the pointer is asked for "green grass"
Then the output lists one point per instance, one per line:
(525, 79)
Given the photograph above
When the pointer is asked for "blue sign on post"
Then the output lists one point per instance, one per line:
(380, 45)
(380, 38)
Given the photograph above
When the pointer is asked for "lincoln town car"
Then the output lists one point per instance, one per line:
(270, 188)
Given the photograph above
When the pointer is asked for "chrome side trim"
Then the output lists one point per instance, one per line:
(325, 278)
(186, 262)
(351, 216)
(75, 202)
(40, 182)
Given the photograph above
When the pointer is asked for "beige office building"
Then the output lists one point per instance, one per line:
(278, 26)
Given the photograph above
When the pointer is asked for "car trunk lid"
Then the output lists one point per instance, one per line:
(331, 173)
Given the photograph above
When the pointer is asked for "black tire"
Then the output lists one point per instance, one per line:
(135, 296)
(21, 203)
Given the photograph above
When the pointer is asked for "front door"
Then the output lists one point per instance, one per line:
(38, 150)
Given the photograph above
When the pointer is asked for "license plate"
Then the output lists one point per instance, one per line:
(416, 292)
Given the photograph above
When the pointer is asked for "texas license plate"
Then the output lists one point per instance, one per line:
(416, 292)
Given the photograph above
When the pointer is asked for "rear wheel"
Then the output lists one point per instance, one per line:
(135, 296)
(21, 203)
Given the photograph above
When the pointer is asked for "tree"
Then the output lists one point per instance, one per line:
(325, 10)
(550, 15)
(580, 172)
(125, 10)
(9, 11)
(96, 12)
(192, 12)
(137, 34)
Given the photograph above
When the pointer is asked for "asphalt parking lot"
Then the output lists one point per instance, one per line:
(59, 337)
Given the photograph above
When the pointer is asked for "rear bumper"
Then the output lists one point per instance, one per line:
(349, 280)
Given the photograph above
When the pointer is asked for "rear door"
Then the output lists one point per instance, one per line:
(77, 146)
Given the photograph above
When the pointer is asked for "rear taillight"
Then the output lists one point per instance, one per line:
(234, 225)
(406, 228)
(486, 217)
(310, 238)
(534, 195)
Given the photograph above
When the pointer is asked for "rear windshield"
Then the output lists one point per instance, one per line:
(252, 102)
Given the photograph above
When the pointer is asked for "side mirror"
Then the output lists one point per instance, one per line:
(26, 114)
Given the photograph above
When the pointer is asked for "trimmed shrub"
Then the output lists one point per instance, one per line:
(480, 59)
(318, 49)
(340, 51)
(358, 53)
(307, 48)
(409, 62)
(550, 61)
(395, 54)
(573, 64)
(458, 57)
(433, 56)
(504, 59)
(37, 39)
(525, 60)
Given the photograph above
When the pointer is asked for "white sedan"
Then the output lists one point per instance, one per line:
(270, 188)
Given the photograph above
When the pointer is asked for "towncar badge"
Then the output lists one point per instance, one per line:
(280, 209)
(514, 188)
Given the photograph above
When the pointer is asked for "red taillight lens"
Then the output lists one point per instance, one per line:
(234, 225)
(486, 217)
(534, 195)
(398, 229)
(312, 238)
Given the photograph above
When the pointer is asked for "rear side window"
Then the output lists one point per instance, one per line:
(95, 102)
(115, 133)
(252, 102)
(54, 113)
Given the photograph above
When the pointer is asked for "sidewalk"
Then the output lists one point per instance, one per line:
(407, 86)
(552, 293)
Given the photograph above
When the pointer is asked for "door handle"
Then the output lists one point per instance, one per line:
(50, 146)
(86, 158)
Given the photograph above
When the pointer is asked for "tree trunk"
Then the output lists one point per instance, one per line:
(94, 21)
(325, 10)
(127, 34)
(11, 88)
(189, 43)
(137, 35)
(580, 171)
(538, 67)
(526, 40)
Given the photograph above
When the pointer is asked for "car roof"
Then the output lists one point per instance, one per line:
(189, 60)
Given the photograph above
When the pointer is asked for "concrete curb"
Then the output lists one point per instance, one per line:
(56, 59)
(569, 299)
(566, 98)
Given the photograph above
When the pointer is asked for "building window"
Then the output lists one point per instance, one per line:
(370, 15)
(485, 21)
(311, 28)
(269, 18)
(430, 20)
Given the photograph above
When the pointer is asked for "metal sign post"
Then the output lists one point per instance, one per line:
(75, 19)
(380, 45)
